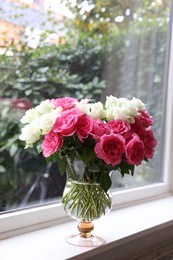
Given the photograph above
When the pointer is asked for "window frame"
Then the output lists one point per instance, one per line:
(25, 220)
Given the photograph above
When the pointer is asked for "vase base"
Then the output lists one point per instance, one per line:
(78, 240)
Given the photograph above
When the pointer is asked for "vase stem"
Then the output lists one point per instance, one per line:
(85, 229)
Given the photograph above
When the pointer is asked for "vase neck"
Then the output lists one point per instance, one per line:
(85, 229)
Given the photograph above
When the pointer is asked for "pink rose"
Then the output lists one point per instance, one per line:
(149, 143)
(138, 127)
(99, 129)
(52, 142)
(135, 151)
(65, 102)
(110, 148)
(128, 136)
(118, 126)
(146, 119)
(66, 123)
(84, 126)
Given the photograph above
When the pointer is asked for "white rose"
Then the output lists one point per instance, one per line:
(45, 107)
(110, 101)
(128, 112)
(129, 109)
(115, 108)
(110, 113)
(122, 101)
(82, 105)
(116, 113)
(47, 120)
(138, 103)
(29, 116)
(95, 110)
(30, 133)
(122, 109)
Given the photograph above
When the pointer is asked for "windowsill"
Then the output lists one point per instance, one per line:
(118, 228)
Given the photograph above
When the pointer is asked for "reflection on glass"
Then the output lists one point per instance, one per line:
(83, 49)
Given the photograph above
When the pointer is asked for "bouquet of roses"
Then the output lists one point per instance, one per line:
(116, 135)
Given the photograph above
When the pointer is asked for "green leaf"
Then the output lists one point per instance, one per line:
(39, 148)
(55, 157)
(87, 155)
(48, 159)
(125, 168)
(105, 181)
(62, 165)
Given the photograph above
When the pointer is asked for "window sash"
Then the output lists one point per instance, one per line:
(27, 220)
(43, 216)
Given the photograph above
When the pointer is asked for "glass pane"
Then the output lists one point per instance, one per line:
(83, 49)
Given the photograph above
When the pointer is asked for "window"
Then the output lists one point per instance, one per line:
(95, 49)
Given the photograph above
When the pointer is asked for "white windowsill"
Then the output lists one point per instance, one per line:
(119, 227)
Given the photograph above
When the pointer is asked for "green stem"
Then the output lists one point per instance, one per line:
(86, 201)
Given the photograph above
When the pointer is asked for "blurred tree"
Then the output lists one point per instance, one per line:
(109, 47)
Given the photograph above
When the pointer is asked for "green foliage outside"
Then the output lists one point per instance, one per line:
(89, 62)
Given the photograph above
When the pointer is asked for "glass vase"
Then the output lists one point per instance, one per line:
(84, 200)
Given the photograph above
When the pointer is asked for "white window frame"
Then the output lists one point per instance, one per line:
(25, 220)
